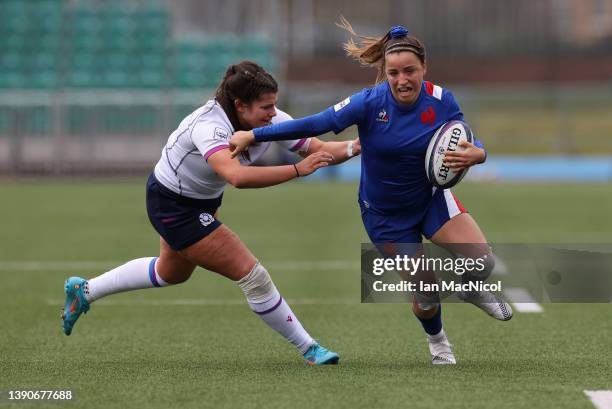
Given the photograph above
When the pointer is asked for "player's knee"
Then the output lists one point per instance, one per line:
(176, 276)
(488, 262)
(257, 285)
(172, 268)
(181, 277)
(483, 267)
(428, 306)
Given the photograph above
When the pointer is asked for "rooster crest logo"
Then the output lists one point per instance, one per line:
(382, 116)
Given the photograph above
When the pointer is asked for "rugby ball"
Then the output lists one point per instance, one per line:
(446, 139)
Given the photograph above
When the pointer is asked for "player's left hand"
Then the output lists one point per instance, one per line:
(240, 142)
(469, 156)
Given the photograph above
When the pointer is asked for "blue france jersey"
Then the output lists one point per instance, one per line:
(394, 140)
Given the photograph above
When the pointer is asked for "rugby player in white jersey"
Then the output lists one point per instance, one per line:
(183, 195)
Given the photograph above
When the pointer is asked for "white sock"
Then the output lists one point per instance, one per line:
(277, 314)
(438, 337)
(133, 275)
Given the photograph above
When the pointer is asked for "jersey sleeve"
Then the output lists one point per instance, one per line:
(347, 112)
(454, 112)
(336, 119)
(210, 138)
(297, 146)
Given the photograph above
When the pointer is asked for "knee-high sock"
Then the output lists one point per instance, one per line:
(433, 325)
(265, 300)
(133, 275)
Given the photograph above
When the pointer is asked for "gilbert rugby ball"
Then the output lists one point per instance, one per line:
(446, 139)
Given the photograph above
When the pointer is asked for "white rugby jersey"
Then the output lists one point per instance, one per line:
(183, 166)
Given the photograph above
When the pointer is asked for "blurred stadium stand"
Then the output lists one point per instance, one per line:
(96, 86)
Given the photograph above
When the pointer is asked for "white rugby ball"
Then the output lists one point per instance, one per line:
(446, 139)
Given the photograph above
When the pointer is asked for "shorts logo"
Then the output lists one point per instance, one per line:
(220, 134)
(342, 104)
(206, 219)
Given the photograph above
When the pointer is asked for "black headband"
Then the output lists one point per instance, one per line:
(397, 47)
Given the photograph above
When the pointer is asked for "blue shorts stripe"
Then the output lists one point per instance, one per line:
(152, 275)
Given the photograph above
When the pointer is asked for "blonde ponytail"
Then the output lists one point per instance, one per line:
(370, 51)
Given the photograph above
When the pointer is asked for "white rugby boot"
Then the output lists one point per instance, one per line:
(489, 303)
(441, 350)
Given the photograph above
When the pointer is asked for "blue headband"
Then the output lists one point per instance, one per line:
(398, 32)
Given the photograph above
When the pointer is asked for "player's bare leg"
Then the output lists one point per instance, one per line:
(148, 272)
(171, 266)
(222, 252)
(462, 236)
(427, 308)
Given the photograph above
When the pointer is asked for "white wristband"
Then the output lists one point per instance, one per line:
(349, 149)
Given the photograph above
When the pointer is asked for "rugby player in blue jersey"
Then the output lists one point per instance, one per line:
(396, 120)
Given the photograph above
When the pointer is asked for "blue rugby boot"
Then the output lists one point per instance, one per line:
(318, 355)
(75, 304)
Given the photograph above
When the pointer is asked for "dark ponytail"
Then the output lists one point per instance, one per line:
(246, 81)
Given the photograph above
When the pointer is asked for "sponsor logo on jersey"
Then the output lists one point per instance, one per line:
(428, 117)
(382, 116)
(342, 104)
(221, 134)
(206, 219)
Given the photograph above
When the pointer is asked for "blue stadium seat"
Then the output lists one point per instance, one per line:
(52, 43)
(115, 78)
(46, 79)
(81, 79)
(12, 79)
(44, 60)
(11, 61)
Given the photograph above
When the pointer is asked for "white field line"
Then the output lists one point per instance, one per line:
(322, 265)
(600, 399)
(227, 302)
(522, 301)
(75, 266)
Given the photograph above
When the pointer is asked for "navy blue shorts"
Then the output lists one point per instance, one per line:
(180, 220)
(410, 226)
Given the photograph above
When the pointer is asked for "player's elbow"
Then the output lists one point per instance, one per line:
(236, 179)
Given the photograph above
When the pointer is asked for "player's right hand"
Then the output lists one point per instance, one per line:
(313, 162)
(240, 142)
(470, 155)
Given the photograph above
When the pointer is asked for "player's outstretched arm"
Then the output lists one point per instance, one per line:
(244, 177)
(341, 151)
(470, 155)
(313, 125)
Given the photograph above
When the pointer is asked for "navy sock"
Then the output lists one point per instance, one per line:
(432, 325)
